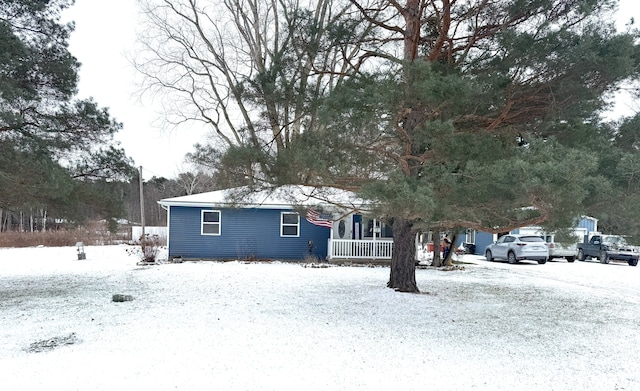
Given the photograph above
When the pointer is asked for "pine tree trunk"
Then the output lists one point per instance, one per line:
(403, 261)
(436, 261)
(449, 260)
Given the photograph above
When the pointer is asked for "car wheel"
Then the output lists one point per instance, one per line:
(604, 257)
(580, 255)
(542, 261)
(570, 259)
(488, 255)
(633, 262)
(511, 257)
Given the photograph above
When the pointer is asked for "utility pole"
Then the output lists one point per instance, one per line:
(141, 202)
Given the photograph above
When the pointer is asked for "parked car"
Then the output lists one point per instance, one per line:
(514, 248)
(557, 250)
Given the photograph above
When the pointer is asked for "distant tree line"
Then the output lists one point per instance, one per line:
(157, 188)
(124, 194)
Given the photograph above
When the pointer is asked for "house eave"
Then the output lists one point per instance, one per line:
(225, 205)
(286, 197)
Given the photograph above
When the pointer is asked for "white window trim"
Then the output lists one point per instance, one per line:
(202, 222)
(282, 225)
(470, 236)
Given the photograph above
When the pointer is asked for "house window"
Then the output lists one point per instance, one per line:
(470, 236)
(381, 229)
(289, 224)
(210, 222)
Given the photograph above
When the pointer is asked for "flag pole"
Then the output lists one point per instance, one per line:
(141, 203)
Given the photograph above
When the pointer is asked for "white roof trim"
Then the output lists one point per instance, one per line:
(285, 197)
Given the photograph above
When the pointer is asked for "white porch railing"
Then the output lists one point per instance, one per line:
(360, 249)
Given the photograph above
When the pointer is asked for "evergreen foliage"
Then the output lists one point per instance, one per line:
(55, 150)
(452, 115)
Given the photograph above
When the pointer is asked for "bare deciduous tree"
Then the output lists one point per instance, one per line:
(252, 71)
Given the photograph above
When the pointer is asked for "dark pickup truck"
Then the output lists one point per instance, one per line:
(609, 247)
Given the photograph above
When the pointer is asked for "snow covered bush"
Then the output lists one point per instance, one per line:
(150, 246)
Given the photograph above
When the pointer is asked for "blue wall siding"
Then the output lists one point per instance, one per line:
(243, 233)
(483, 239)
(460, 240)
(587, 223)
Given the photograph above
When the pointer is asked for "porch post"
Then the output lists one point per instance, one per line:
(375, 249)
(331, 241)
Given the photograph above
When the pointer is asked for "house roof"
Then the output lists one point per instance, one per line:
(285, 197)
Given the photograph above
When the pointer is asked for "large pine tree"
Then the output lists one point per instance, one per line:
(449, 114)
(51, 145)
(479, 115)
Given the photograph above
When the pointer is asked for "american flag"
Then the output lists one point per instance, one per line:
(314, 218)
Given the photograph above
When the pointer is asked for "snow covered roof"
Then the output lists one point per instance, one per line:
(285, 197)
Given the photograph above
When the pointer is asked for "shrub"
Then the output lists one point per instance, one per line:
(47, 238)
(150, 246)
(94, 233)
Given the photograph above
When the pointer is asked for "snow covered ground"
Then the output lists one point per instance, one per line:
(236, 326)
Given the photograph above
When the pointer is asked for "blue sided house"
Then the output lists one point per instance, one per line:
(285, 223)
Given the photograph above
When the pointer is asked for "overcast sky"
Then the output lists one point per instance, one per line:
(105, 32)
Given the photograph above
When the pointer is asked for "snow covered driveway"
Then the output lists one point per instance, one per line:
(235, 326)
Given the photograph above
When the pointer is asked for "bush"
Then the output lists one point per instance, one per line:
(150, 246)
(94, 233)
(48, 238)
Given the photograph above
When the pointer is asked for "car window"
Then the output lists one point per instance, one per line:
(531, 239)
(509, 239)
(501, 239)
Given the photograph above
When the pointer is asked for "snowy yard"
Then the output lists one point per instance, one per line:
(235, 326)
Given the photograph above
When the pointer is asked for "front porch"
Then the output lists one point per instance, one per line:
(355, 239)
(371, 251)
(357, 249)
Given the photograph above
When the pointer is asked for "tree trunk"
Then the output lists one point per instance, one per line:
(437, 261)
(449, 261)
(403, 261)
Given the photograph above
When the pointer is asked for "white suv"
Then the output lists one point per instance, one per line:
(514, 248)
